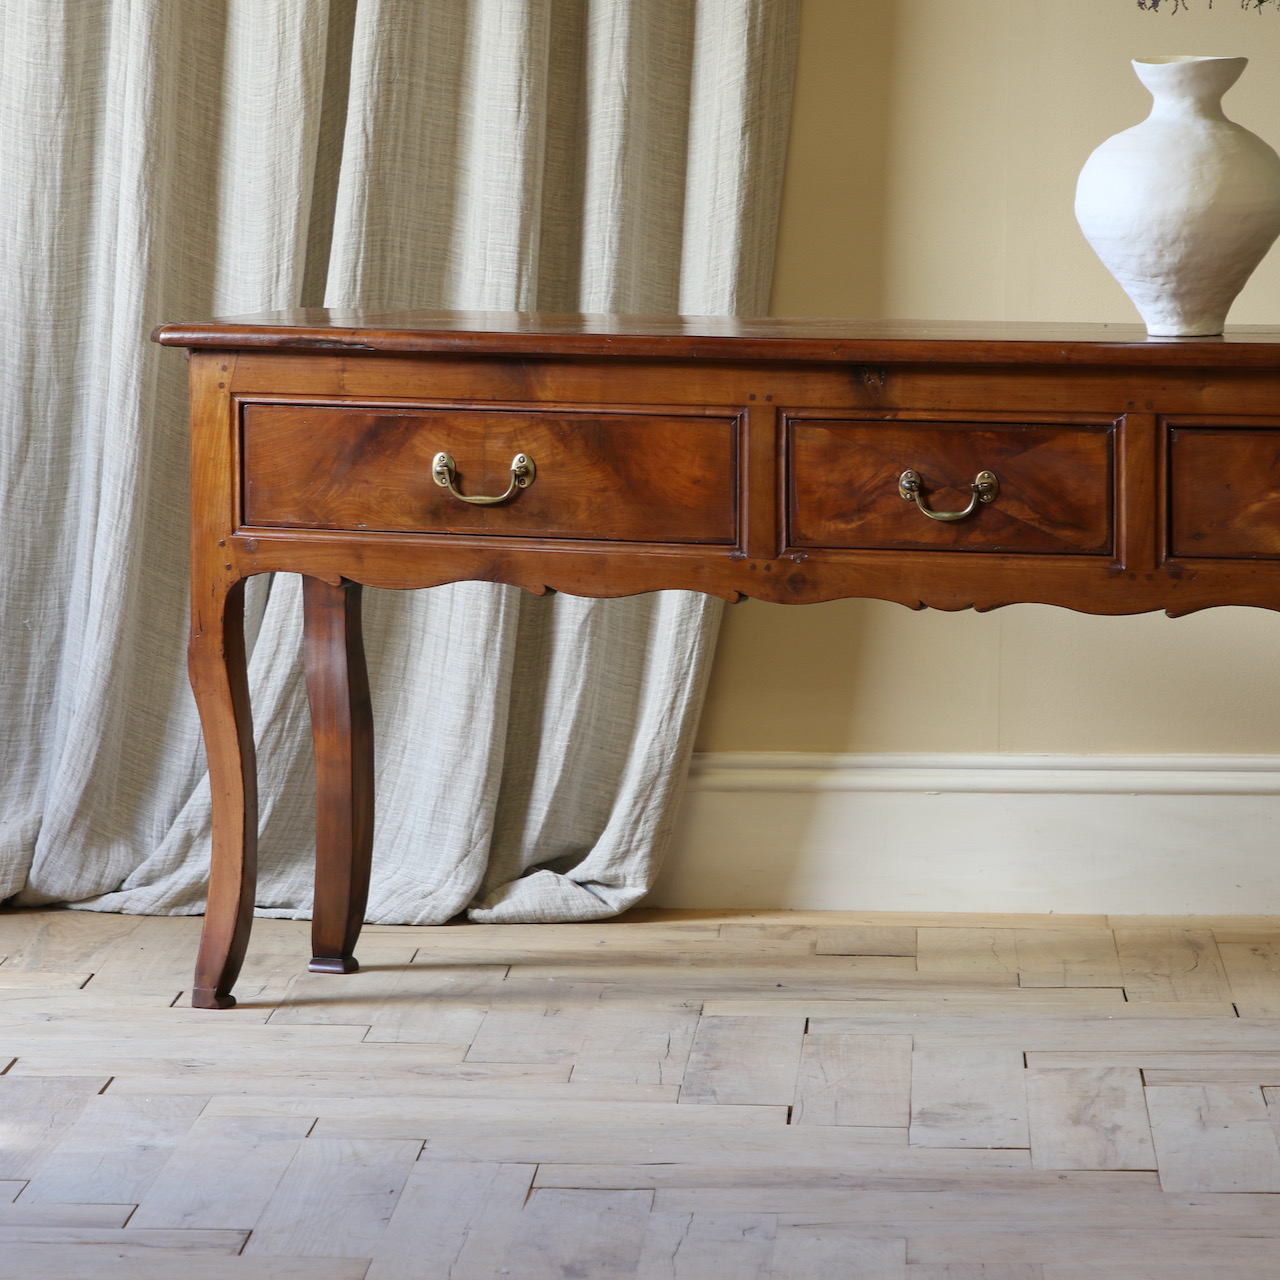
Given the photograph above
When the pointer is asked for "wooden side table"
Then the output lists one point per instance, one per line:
(948, 466)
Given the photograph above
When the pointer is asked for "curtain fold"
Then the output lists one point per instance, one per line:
(227, 156)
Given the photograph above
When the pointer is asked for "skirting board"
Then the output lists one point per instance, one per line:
(1130, 835)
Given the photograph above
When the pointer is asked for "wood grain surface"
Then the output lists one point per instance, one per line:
(1055, 485)
(617, 477)
(1224, 491)
(793, 1132)
(721, 337)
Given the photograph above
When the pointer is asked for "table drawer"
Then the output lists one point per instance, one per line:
(609, 476)
(1224, 492)
(1055, 485)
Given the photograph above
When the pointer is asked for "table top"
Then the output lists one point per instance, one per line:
(726, 338)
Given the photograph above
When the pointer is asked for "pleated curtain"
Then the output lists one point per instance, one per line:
(168, 161)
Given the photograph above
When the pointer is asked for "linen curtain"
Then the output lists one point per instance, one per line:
(165, 161)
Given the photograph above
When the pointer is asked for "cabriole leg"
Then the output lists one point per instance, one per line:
(219, 679)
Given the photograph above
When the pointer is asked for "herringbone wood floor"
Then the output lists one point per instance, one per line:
(684, 1096)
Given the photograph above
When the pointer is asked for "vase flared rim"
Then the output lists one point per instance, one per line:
(1164, 60)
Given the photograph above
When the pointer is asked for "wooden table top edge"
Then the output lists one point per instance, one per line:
(725, 338)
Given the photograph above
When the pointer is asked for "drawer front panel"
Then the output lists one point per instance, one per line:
(613, 477)
(1224, 493)
(1054, 496)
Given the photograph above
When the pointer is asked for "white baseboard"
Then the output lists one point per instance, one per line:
(1126, 835)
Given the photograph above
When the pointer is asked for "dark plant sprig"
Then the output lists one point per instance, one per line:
(1172, 6)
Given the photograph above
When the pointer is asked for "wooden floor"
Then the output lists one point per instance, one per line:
(671, 1096)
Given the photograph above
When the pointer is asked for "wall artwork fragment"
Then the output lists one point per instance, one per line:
(1173, 6)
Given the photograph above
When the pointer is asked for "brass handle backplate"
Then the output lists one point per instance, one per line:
(986, 488)
(523, 474)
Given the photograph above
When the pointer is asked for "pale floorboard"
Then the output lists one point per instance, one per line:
(129, 1261)
(223, 1172)
(62, 941)
(1224, 1268)
(670, 1096)
(418, 1117)
(588, 1233)
(982, 1171)
(968, 1097)
(968, 951)
(335, 1198)
(63, 1055)
(876, 1002)
(37, 1112)
(854, 1080)
(707, 1246)
(64, 1215)
(552, 1032)
(1067, 958)
(411, 1004)
(454, 1220)
(1253, 970)
(114, 1150)
(1088, 1118)
(750, 1061)
(976, 1271)
(916, 1214)
(455, 1080)
(646, 1047)
(1197, 1074)
(867, 940)
(19, 980)
(1213, 1137)
(804, 1249)
(198, 1242)
(1171, 964)
(1109, 1253)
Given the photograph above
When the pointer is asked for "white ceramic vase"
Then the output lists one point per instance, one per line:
(1182, 207)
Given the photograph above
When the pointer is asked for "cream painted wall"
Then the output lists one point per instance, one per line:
(931, 170)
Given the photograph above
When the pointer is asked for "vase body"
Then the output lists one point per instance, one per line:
(1182, 207)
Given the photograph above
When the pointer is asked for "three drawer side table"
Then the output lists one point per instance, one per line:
(947, 466)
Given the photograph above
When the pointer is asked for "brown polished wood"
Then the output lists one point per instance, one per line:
(734, 338)
(603, 477)
(219, 678)
(342, 730)
(1224, 486)
(738, 457)
(843, 485)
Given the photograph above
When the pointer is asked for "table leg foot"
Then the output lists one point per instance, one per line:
(334, 964)
(204, 998)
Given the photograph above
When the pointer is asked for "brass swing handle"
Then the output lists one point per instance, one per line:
(523, 474)
(986, 488)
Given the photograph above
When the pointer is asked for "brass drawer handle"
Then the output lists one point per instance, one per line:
(986, 488)
(523, 474)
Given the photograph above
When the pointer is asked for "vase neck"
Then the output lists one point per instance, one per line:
(1177, 106)
(1188, 89)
